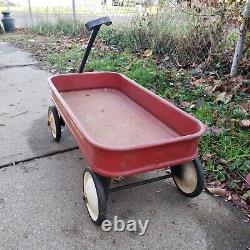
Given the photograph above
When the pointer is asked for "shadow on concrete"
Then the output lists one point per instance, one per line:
(40, 139)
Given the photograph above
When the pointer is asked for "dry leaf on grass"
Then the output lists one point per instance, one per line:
(214, 183)
(246, 106)
(148, 53)
(245, 123)
(207, 156)
(223, 161)
(69, 45)
(223, 97)
(248, 179)
(216, 130)
(185, 104)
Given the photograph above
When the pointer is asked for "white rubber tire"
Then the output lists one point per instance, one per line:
(189, 178)
(94, 196)
(54, 123)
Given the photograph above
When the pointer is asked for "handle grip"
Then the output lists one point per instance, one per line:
(97, 23)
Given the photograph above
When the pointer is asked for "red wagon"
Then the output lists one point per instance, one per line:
(123, 129)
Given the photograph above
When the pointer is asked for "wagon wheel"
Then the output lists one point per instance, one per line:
(189, 178)
(62, 121)
(54, 123)
(95, 192)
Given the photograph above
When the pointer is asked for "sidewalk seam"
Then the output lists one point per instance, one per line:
(18, 66)
(14, 163)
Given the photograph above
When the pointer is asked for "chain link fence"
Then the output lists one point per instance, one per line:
(29, 13)
(184, 34)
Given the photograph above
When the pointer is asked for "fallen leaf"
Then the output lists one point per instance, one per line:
(223, 161)
(217, 191)
(214, 183)
(229, 198)
(148, 53)
(118, 179)
(223, 97)
(166, 58)
(215, 114)
(196, 82)
(185, 104)
(217, 86)
(245, 123)
(69, 45)
(236, 198)
(248, 179)
(208, 90)
(207, 156)
(216, 130)
(247, 221)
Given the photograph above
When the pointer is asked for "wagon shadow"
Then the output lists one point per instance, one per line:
(40, 140)
(145, 200)
(165, 207)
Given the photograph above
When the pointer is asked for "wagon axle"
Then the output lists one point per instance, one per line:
(139, 183)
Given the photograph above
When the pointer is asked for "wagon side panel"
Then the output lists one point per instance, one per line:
(125, 163)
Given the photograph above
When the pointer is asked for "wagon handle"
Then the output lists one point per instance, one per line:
(95, 26)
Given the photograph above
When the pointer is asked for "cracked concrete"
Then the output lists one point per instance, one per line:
(41, 203)
(14, 163)
(17, 66)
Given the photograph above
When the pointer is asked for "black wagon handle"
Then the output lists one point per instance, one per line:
(93, 26)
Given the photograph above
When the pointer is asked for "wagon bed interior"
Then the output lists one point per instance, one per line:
(111, 118)
(114, 111)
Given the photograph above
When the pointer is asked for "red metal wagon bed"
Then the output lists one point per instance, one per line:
(123, 129)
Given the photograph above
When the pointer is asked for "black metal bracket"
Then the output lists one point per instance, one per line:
(138, 183)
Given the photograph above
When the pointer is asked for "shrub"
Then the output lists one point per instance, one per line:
(61, 27)
(181, 37)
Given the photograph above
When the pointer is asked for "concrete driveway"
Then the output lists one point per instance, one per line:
(41, 203)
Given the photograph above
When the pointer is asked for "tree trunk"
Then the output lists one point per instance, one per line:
(241, 40)
(239, 48)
